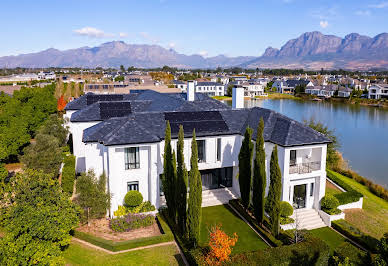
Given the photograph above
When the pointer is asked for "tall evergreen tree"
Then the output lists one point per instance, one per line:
(181, 183)
(245, 167)
(194, 212)
(168, 174)
(259, 175)
(275, 190)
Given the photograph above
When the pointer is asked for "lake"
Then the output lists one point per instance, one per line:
(362, 131)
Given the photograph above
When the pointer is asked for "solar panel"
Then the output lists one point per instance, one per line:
(93, 98)
(210, 121)
(114, 109)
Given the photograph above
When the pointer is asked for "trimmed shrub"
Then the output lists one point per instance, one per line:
(131, 221)
(145, 206)
(356, 235)
(286, 220)
(285, 209)
(355, 255)
(133, 198)
(68, 174)
(329, 202)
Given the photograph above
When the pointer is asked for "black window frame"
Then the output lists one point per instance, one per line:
(202, 150)
(292, 161)
(218, 149)
(135, 184)
(311, 189)
(132, 165)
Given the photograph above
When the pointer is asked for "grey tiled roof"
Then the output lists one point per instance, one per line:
(149, 127)
(82, 101)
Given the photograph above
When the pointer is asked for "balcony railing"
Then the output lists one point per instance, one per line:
(305, 168)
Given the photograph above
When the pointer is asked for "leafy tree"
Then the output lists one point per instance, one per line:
(299, 89)
(38, 220)
(53, 126)
(119, 78)
(229, 90)
(181, 198)
(245, 167)
(259, 175)
(382, 257)
(3, 177)
(274, 193)
(168, 174)
(92, 196)
(122, 68)
(44, 154)
(194, 211)
(220, 245)
(332, 157)
(61, 103)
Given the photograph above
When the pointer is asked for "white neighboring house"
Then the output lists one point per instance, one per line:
(46, 75)
(221, 79)
(344, 92)
(109, 136)
(288, 86)
(378, 91)
(207, 87)
(252, 88)
(322, 91)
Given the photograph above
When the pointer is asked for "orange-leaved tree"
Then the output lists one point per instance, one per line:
(61, 103)
(220, 246)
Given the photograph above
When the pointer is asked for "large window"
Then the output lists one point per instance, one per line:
(311, 189)
(218, 149)
(201, 151)
(133, 186)
(132, 159)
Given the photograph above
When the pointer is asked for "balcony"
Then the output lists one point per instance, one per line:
(305, 168)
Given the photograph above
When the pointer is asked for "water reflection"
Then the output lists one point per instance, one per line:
(362, 130)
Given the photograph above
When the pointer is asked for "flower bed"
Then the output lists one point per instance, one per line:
(131, 221)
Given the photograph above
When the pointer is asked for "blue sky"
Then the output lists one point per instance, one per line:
(209, 27)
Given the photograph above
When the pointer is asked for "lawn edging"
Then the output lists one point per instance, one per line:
(366, 241)
(166, 236)
(350, 196)
(263, 233)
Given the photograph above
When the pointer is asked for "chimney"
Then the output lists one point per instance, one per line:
(238, 97)
(190, 94)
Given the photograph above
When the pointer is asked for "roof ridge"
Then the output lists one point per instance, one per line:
(110, 134)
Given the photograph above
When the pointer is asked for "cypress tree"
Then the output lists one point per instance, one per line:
(275, 190)
(168, 174)
(245, 167)
(181, 199)
(259, 175)
(194, 212)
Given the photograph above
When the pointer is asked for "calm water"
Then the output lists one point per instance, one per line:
(362, 131)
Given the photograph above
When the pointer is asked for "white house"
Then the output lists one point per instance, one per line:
(46, 75)
(322, 91)
(252, 88)
(207, 87)
(288, 86)
(344, 92)
(123, 137)
(378, 91)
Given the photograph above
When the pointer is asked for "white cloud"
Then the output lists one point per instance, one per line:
(123, 34)
(93, 33)
(149, 37)
(380, 5)
(323, 24)
(363, 13)
(203, 53)
(171, 45)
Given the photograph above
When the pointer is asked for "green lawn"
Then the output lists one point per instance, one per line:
(373, 218)
(78, 254)
(225, 98)
(331, 189)
(230, 222)
(332, 238)
(276, 95)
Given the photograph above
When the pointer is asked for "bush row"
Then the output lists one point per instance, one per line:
(145, 206)
(131, 221)
(252, 221)
(349, 196)
(376, 189)
(356, 256)
(166, 236)
(356, 235)
(312, 251)
(68, 174)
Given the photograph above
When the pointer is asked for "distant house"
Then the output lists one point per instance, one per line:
(322, 91)
(207, 87)
(344, 92)
(221, 79)
(44, 75)
(288, 86)
(239, 78)
(378, 91)
(252, 88)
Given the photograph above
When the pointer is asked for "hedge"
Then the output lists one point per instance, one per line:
(368, 242)
(129, 244)
(351, 195)
(312, 251)
(235, 203)
(356, 256)
(68, 174)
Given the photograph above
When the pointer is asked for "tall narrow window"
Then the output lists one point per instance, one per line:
(133, 186)
(292, 157)
(311, 189)
(132, 159)
(201, 151)
(218, 149)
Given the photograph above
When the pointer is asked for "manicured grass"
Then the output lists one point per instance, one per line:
(230, 223)
(276, 95)
(78, 254)
(225, 98)
(331, 189)
(332, 238)
(373, 218)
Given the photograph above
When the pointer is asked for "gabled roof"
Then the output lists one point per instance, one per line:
(149, 127)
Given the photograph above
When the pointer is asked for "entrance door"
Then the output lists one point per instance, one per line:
(300, 196)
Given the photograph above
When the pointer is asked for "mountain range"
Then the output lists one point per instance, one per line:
(311, 50)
